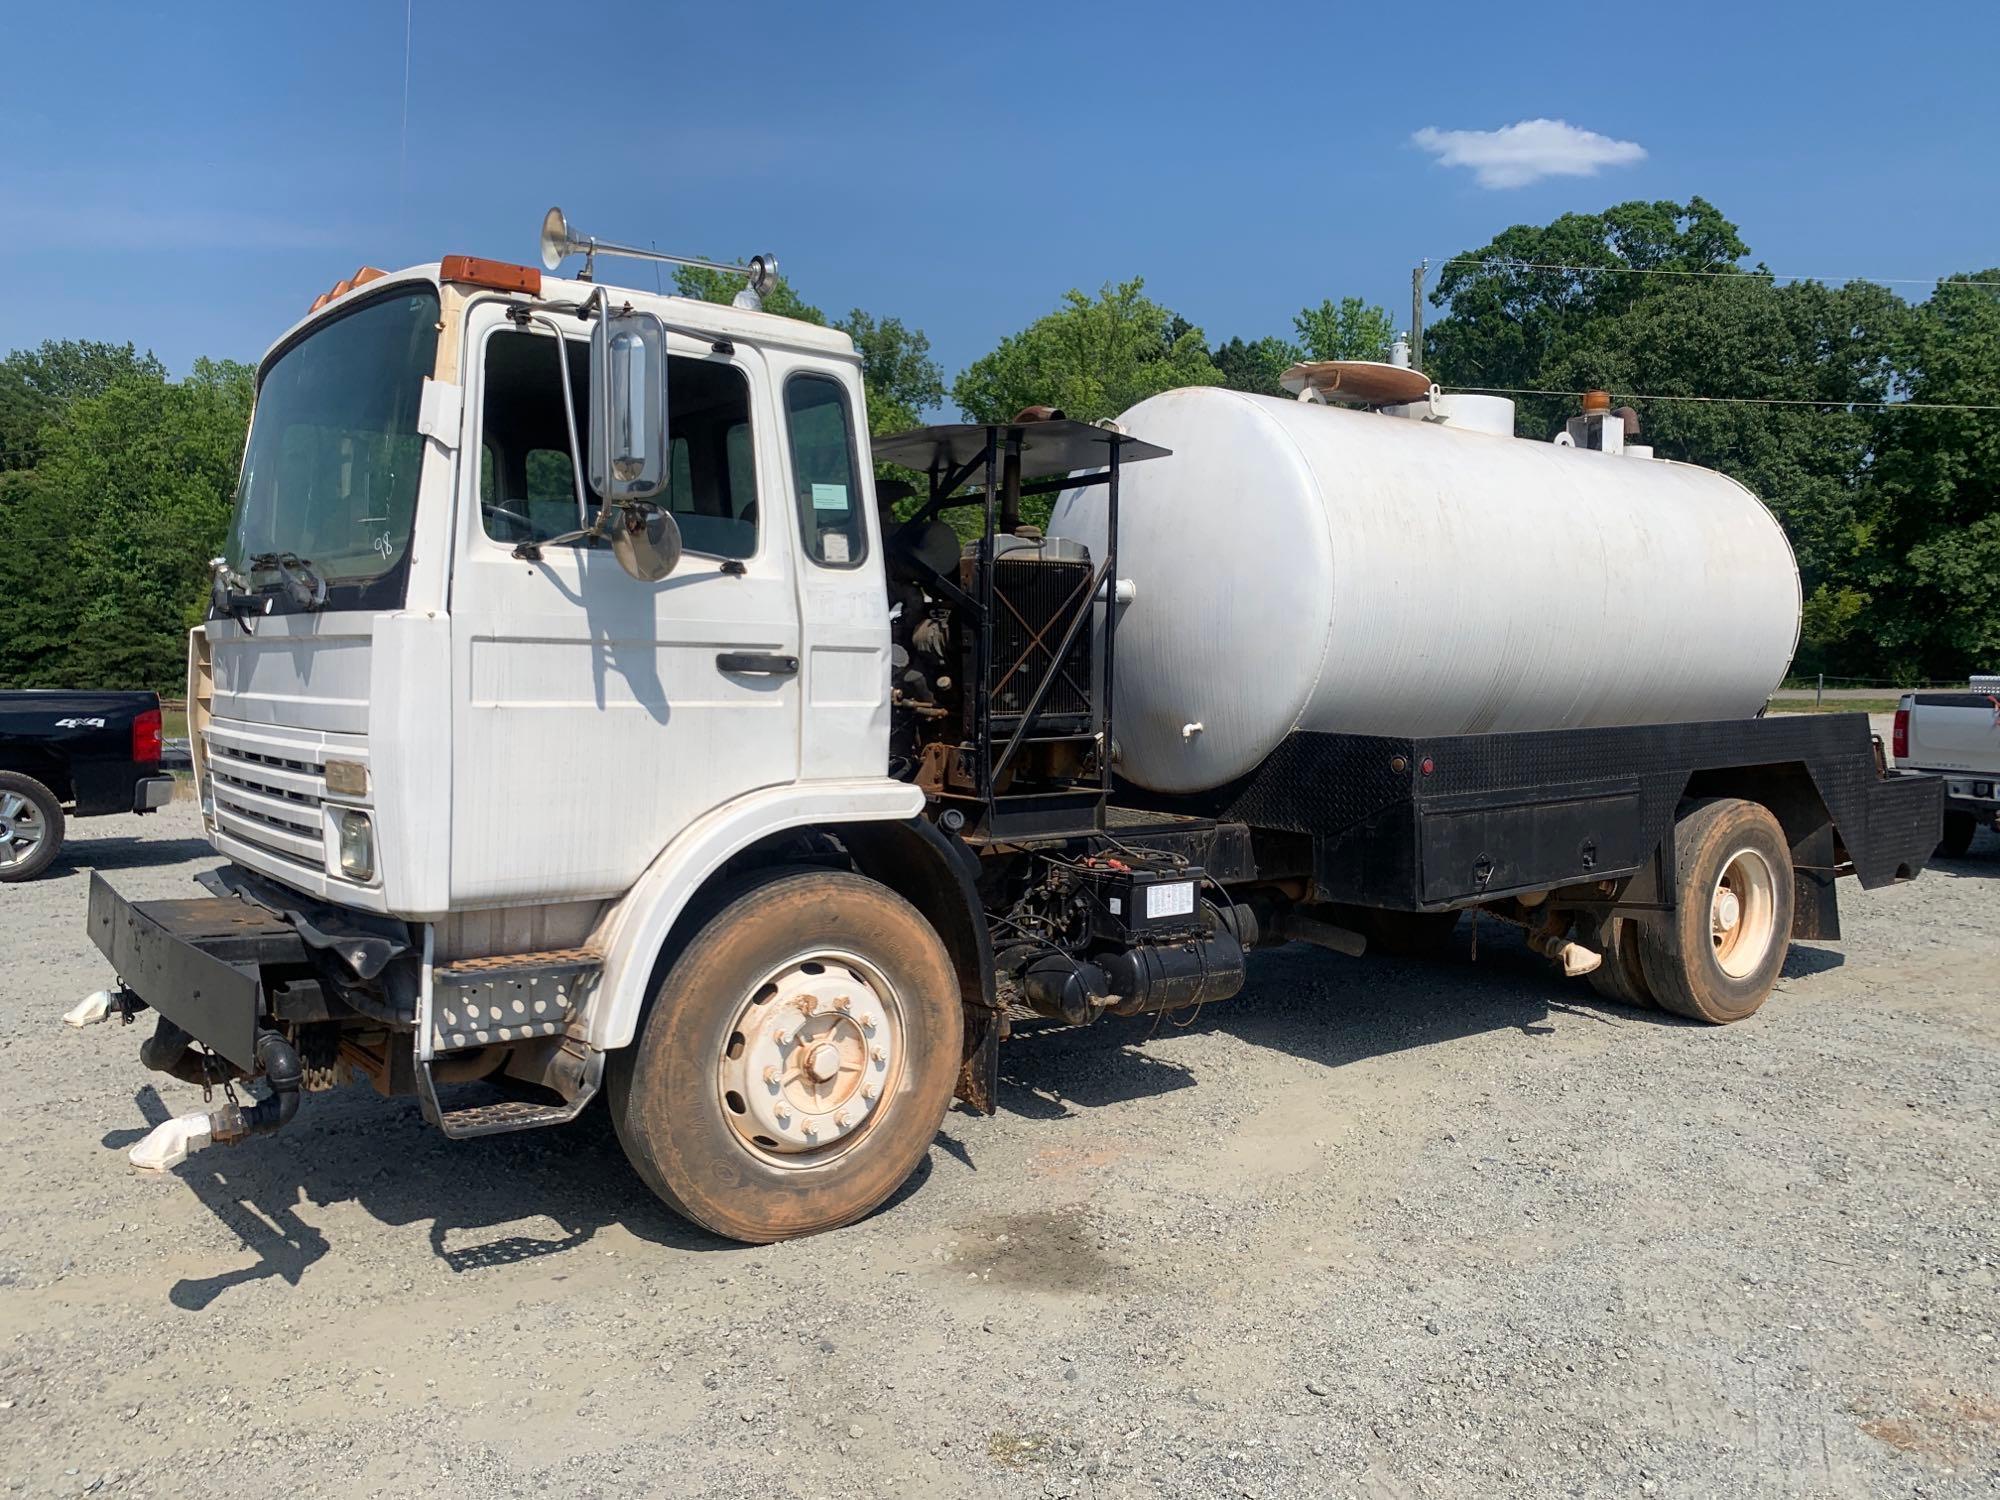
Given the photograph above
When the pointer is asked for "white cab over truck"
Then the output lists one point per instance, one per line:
(1956, 737)
(577, 716)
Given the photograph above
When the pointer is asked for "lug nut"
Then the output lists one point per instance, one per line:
(782, 1037)
(808, 1003)
(840, 1120)
(844, 1004)
(871, 1093)
(771, 1076)
(812, 1131)
(878, 1054)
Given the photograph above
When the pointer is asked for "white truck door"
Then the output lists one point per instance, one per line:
(595, 717)
(844, 603)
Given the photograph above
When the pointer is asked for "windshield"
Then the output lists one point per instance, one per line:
(330, 476)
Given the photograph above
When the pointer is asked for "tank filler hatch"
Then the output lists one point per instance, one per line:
(1365, 382)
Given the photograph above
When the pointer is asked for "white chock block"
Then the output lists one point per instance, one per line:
(96, 1007)
(168, 1143)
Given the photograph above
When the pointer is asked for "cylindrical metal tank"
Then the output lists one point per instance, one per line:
(1309, 567)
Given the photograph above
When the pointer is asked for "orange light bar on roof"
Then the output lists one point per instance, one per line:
(497, 274)
(361, 277)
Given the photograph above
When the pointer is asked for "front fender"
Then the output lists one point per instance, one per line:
(631, 933)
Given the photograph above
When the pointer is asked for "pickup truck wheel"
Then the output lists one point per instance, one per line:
(796, 1062)
(31, 826)
(1959, 827)
(1620, 978)
(1715, 957)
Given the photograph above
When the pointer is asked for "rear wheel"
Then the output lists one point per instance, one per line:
(31, 826)
(1959, 827)
(796, 1062)
(1620, 978)
(1716, 955)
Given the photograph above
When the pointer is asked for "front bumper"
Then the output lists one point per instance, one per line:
(195, 962)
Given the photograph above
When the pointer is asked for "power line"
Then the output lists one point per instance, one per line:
(1520, 390)
(1543, 265)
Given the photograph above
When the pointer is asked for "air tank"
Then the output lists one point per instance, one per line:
(1299, 566)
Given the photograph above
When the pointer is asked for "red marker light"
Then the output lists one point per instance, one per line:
(1899, 735)
(1427, 765)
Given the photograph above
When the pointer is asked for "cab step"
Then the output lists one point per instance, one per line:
(577, 1077)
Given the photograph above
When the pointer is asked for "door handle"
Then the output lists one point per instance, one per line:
(757, 663)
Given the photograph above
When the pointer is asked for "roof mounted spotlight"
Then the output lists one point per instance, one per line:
(559, 240)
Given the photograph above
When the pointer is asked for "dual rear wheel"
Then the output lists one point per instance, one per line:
(1716, 956)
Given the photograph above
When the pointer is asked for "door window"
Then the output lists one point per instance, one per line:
(526, 489)
(824, 473)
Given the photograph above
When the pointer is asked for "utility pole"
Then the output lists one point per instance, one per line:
(1417, 274)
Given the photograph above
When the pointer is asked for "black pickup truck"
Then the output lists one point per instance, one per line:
(90, 752)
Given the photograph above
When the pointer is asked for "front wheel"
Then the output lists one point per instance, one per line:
(31, 826)
(1715, 957)
(796, 1061)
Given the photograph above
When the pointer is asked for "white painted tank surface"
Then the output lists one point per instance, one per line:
(1300, 566)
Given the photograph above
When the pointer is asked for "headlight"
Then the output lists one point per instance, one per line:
(357, 846)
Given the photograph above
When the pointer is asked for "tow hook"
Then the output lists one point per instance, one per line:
(167, 1144)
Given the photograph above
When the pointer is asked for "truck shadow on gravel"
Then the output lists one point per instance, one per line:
(1326, 1010)
(493, 1202)
(79, 856)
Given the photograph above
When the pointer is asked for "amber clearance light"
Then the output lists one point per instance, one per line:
(498, 274)
(341, 288)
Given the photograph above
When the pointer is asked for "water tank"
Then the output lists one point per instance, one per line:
(1309, 567)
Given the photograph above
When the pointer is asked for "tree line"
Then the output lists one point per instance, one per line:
(1841, 406)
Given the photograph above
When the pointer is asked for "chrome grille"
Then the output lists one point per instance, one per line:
(267, 799)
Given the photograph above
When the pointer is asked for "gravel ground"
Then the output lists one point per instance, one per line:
(1374, 1229)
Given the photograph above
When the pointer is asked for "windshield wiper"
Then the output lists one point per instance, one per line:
(307, 588)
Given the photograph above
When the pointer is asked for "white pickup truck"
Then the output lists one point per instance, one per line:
(1956, 736)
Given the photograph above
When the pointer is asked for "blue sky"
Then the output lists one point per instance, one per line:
(190, 176)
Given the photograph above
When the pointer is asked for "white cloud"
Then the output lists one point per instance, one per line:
(1527, 151)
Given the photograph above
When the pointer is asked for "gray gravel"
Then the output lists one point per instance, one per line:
(1375, 1229)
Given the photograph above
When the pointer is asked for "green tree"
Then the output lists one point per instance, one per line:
(1255, 365)
(1092, 357)
(901, 378)
(105, 546)
(1933, 568)
(1347, 329)
(35, 384)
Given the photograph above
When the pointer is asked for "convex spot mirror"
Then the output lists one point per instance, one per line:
(628, 440)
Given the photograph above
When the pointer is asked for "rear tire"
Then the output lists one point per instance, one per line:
(1715, 957)
(759, 1139)
(1959, 827)
(1620, 978)
(31, 827)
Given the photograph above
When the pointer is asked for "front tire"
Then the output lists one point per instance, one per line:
(1715, 957)
(31, 827)
(796, 1062)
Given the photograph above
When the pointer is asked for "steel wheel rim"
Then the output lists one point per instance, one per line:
(811, 1062)
(1743, 913)
(22, 829)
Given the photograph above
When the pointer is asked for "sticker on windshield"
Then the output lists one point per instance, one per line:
(834, 545)
(829, 497)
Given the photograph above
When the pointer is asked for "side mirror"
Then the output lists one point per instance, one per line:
(628, 441)
(628, 409)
